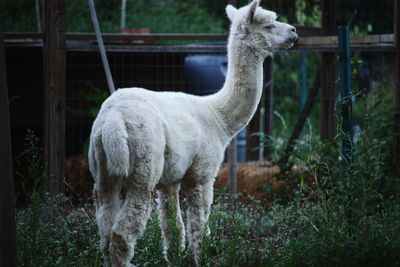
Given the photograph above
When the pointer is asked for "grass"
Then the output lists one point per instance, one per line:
(297, 234)
(335, 220)
(62, 237)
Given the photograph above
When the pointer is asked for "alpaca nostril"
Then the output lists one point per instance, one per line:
(293, 29)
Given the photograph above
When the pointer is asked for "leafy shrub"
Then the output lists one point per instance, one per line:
(336, 220)
(60, 237)
(299, 234)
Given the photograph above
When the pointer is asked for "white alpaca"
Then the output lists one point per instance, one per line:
(144, 141)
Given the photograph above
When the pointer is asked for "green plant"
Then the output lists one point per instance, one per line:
(327, 220)
(49, 233)
(148, 251)
(32, 186)
(305, 232)
(32, 176)
(169, 16)
(97, 97)
(64, 236)
(175, 256)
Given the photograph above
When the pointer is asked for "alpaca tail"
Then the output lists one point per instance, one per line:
(115, 143)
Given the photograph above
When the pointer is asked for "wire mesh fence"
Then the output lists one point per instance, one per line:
(190, 69)
(294, 75)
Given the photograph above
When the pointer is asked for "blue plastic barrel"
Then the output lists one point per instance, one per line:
(205, 74)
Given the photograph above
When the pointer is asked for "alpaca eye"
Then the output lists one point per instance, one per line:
(268, 27)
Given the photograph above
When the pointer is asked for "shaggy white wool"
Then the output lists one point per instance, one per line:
(144, 141)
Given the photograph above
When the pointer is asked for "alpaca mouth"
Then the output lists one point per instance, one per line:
(290, 42)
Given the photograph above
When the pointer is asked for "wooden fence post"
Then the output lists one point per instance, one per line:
(232, 151)
(397, 87)
(328, 75)
(54, 94)
(268, 101)
(8, 255)
(232, 161)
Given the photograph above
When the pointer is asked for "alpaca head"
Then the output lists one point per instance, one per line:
(258, 28)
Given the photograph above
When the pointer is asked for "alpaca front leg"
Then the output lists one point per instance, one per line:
(129, 225)
(199, 199)
(168, 205)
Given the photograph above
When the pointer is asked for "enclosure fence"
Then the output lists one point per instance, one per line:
(69, 103)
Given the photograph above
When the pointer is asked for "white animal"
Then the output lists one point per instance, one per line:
(144, 142)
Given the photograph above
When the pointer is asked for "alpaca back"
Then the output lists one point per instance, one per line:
(133, 123)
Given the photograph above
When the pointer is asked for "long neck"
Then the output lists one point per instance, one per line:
(237, 101)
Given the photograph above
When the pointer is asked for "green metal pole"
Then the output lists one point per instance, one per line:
(303, 79)
(346, 99)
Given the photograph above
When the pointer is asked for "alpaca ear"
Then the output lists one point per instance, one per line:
(252, 10)
(230, 12)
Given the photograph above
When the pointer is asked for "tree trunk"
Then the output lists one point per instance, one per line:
(8, 255)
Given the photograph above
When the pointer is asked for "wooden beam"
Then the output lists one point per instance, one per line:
(123, 37)
(397, 87)
(8, 255)
(123, 42)
(147, 37)
(371, 48)
(354, 40)
(185, 49)
(328, 74)
(54, 94)
(329, 40)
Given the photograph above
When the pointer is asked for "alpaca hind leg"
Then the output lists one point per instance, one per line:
(199, 199)
(207, 199)
(107, 199)
(106, 193)
(168, 205)
(129, 225)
